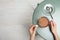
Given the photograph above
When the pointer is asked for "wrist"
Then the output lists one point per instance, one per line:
(55, 33)
(56, 36)
(32, 37)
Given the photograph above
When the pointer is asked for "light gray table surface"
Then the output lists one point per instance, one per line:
(16, 18)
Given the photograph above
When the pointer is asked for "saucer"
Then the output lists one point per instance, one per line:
(38, 13)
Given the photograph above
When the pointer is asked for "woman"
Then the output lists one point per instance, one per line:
(53, 28)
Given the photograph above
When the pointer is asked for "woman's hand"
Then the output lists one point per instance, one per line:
(53, 28)
(32, 31)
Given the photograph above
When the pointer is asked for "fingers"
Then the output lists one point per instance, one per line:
(52, 23)
(33, 29)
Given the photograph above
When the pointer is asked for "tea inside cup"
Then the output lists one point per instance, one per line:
(43, 22)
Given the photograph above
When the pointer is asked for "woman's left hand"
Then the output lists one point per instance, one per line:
(32, 30)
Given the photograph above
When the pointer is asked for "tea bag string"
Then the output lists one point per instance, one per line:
(50, 10)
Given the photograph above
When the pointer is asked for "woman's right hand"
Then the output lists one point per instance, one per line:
(53, 27)
(54, 30)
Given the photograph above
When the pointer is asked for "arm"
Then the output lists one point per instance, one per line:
(32, 32)
(53, 28)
